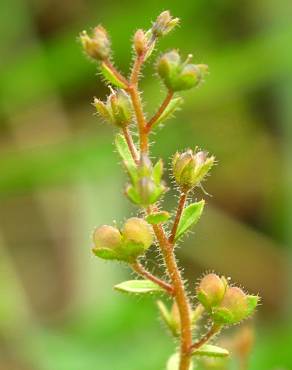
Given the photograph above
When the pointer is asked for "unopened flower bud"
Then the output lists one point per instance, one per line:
(138, 231)
(164, 24)
(117, 109)
(211, 290)
(233, 308)
(98, 45)
(121, 108)
(190, 168)
(107, 241)
(140, 42)
(178, 75)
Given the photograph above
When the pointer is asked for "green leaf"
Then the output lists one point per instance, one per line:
(167, 318)
(173, 106)
(190, 217)
(126, 156)
(110, 76)
(138, 287)
(211, 351)
(173, 363)
(158, 217)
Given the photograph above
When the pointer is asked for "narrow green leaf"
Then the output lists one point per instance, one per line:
(110, 77)
(126, 156)
(173, 363)
(211, 351)
(190, 217)
(173, 106)
(167, 318)
(158, 217)
(138, 287)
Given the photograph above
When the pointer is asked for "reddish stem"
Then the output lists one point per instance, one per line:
(179, 212)
(214, 330)
(161, 109)
(142, 271)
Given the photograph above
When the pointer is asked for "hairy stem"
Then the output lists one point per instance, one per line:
(213, 330)
(180, 296)
(180, 208)
(131, 144)
(140, 269)
(161, 109)
(141, 122)
(166, 247)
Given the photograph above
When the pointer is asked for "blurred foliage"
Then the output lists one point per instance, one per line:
(59, 178)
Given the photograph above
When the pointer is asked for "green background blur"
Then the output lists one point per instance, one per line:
(59, 178)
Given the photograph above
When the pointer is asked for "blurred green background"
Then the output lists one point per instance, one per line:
(59, 178)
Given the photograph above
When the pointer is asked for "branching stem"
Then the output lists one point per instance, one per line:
(213, 330)
(140, 269)
(161, 109)
(180, 208)
(179, 292)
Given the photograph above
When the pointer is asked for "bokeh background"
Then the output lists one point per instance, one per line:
(59, 177)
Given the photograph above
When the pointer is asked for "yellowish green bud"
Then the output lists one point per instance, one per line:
(190, 168)
(117, 109)
(211, 290)
(98, 45)
(178, 75)
(164, 24)
(138, 231)
(140, 42)
(234, 307)
(107, 241)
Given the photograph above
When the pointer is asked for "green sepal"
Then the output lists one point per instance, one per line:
(124, 152)
(173, 106)
(106, 253)
(173, 363)
(167, 318)
(211, 351)
(110, 76)
(190, 217)
(157, 218)
(129, 251)
(252, 302)
(138, 287)
(157, 171)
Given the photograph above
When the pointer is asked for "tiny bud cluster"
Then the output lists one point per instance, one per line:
(125, 245)
(98, 45)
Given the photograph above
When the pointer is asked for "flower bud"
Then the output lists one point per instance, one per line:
(121, 108)
(211, 290)
(164, 24)
(233, 308)
(107, 241)
(117, 109)
(147, 186)
(190, 168)
(138, 231)
(178, 75)
(140, 42)
(98, 45)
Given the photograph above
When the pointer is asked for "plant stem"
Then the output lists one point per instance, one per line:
(166, 247)
(161, 109)
(137, 267)
(180, 208)
(213, 330)
(131, 144)
(141, 122)
(180, 296)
